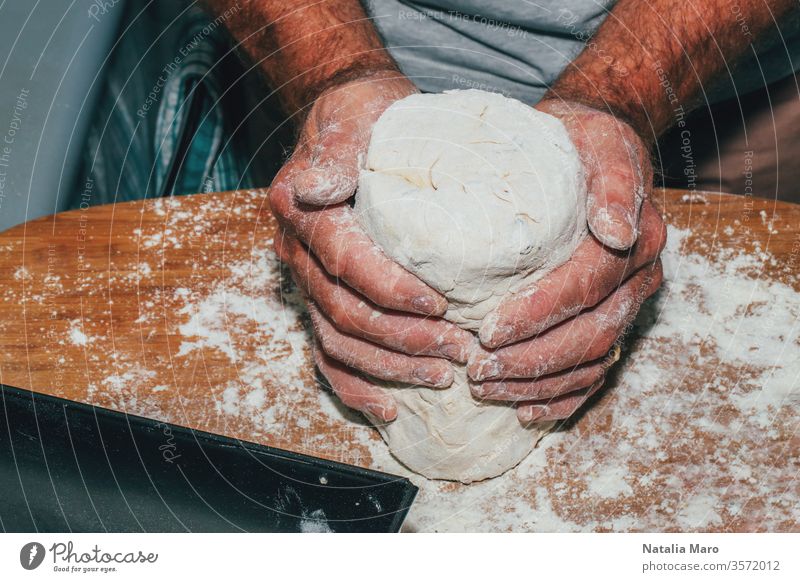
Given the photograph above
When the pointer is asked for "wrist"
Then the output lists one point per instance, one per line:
(353, 72)
(639, 87)
(321, 45)
(646, 117)
(579, 112)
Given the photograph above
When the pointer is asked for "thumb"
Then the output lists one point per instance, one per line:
(327, 183)
(618, 185)
(333, 167)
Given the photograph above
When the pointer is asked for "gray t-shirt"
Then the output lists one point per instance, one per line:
(519, 47)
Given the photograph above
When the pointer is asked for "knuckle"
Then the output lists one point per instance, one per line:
(652, 245)
(314, 289)
(317, 354)
(279, 246)
(343, 261)
(656, 278)
(340, 316)
(280, 200)
(661, 237)
(654, 231)
(604, 343)
(325, 343)
(584, 281)
(620, 176)
(327, 338)
(328, 252)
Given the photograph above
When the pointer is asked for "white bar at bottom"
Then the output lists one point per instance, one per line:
(329, 558)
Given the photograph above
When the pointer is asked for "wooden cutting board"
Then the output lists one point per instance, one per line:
(177, 309)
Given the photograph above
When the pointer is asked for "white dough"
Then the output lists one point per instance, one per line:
(478, 195)
(472, 192)
(447, 434)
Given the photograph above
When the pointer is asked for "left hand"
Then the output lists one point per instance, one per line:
(372, 318)
(564, 325)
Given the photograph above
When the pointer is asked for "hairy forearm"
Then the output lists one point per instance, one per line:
(653, 57)
(305, 46)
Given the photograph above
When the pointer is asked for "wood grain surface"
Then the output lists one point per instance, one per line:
(175, 309)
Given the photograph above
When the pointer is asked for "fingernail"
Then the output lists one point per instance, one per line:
(488, 326)
(424, 304)
(532, 413)
(452, 351)
(617, 226)
(434, 376)
(488, 390)
(381, 411)
(499, 335)
(487, 369)
(478, 390)
(625, 217)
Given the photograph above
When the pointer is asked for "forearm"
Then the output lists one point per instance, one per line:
(651, 58)
(305, 46)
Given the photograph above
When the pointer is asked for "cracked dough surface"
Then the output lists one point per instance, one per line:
(478, 195)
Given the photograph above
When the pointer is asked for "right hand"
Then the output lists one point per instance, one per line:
(370, 315)
(548, 344)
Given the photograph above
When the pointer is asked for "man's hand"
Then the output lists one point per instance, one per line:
(370, 315)
(554, 365)
(329, 70)
(643, 70)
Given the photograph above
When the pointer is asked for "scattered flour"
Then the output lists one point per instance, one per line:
(667, 447)
(315, 522)
(704, 445)
(76, 335)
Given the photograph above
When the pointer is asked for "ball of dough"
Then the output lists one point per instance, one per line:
(472, 192)
(478, 195)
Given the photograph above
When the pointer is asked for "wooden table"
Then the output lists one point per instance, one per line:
(176, 309)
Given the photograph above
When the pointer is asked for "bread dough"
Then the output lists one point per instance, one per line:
(472, 192)
(478, 195)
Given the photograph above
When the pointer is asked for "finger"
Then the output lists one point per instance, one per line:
(618, 169)
(557, 408)
(328, 183)
(336, 139)
(280, 243)
(377, 361)
(592, 273)
(354, 315)
(333, 167)
(353, 390)
(618, 182)
(585, 337)
(347, 252)
(545, 387)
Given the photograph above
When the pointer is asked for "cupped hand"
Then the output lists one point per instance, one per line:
(372, 318)
(546, 347)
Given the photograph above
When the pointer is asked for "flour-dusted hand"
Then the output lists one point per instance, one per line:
(557, 331)
(308, 196)
(371, 316)
(619, 175)
(335, 136)
(351, 314)
(353, 390)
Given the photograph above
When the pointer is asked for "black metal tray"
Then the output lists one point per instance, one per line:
(67, 466)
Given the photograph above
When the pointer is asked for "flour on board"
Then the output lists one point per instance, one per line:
(678, 448)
